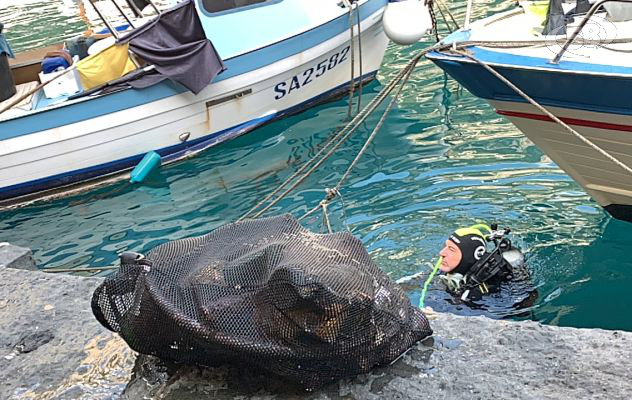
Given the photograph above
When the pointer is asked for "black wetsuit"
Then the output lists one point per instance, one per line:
(502, 271)
(492, 285)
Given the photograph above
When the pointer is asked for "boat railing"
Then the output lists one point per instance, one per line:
(105, 21)
(108, 24)
(132, 6)
(581, 25)
(468, 15)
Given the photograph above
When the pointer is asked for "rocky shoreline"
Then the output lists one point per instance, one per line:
(51, 347)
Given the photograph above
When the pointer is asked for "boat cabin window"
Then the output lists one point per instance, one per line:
(213, 6)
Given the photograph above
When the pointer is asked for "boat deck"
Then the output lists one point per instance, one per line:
(23, 106)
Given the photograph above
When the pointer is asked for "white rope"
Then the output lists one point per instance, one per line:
(354, 124)
(441, 5)
(445, 20)
(326, 217)
(350, 129)
(359, 61)
(352, 49)
(332, 193)
(338, 139)
(375, 130)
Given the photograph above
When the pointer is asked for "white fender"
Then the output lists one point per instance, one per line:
(405, 22)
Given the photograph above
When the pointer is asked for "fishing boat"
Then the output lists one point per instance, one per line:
(560, 72)
(274, 58)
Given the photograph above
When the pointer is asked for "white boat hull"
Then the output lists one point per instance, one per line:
(223, 110)
(605, 181)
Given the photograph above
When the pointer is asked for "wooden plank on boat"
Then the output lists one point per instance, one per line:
(20, 90)
(33, 56)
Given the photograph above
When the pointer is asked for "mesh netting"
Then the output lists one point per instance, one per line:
(263, 293)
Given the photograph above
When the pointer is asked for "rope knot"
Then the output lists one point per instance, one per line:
(331, 194)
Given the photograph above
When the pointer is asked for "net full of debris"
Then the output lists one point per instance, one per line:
(265, 294)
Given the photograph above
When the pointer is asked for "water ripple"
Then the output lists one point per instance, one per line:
(443, 160)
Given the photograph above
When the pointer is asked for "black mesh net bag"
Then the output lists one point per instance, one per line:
(266, 294)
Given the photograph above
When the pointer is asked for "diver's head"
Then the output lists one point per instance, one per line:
(462, 250)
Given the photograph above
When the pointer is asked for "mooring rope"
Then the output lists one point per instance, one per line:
(443, 17)
(338, 138)
(613, 49)
(342, 135)
(336, 141)
(534, 43)
(326, 219)
(351, 130)
(440, 4)
(433, 18)
(402, 83)
(352, 49)
(332, 193)
(359, 61)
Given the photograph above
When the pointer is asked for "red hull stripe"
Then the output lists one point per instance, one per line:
(570, 121)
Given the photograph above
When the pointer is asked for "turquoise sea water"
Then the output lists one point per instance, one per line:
(444, 159)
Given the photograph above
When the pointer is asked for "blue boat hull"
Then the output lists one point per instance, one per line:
(593, 99)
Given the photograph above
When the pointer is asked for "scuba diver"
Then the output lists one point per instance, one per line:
(475, 261)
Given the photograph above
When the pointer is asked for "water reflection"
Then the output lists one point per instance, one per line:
(443, 160)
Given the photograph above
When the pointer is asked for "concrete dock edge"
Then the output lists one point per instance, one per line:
(51, 347)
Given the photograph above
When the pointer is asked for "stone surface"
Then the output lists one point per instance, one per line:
(12, 256)
(468, 358)
(52, 348)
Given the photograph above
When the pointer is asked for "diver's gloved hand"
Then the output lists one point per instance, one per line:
(429, 312)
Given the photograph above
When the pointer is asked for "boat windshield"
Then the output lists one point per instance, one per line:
(213, 6)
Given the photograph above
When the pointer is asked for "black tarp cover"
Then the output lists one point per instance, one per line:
(556, 19)
(176, 45)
